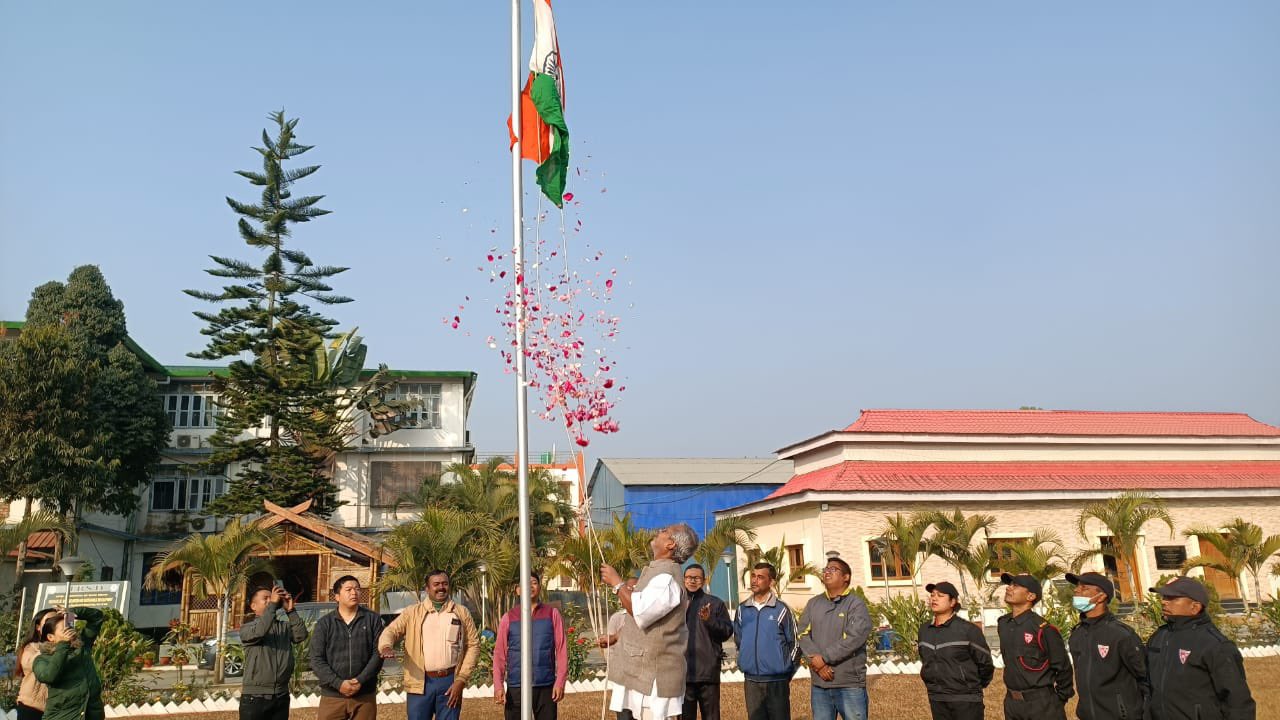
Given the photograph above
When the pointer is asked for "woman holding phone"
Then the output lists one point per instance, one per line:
(65, 665)
(32, 693)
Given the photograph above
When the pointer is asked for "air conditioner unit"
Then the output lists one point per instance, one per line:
(197, 524)
(186, 441)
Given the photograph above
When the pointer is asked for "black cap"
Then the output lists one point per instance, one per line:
(1023, 580)
(1098, 580)
(1184, 587)
(943, 587)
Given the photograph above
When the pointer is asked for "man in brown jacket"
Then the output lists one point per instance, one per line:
(440, 649)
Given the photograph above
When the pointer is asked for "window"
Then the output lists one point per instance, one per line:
(193, 407)
(1000, 555)
(795, 558)
(882, 564)
(426, 398)
(175, 489)
(170, 594)
(394, 479)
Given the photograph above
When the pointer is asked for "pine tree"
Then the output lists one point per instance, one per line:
(274, 407)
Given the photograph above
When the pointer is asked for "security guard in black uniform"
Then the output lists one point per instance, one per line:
(1196, 672)
(1037, 671)
(1110, 661)
(955, 661)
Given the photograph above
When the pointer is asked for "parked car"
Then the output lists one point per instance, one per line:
(233, 661)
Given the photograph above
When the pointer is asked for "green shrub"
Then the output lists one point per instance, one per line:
(904, 615)
(119, 650)
(1058, 613)
(483, 672)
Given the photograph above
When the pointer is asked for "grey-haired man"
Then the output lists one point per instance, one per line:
(651, 664)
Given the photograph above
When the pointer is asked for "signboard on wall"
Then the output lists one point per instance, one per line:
(100, 595)
(1170, 557)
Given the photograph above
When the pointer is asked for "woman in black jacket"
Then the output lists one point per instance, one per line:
(955, 659)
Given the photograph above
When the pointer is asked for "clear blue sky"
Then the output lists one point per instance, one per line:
(825, 206)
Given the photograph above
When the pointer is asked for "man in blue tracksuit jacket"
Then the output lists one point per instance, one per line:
(765, 632)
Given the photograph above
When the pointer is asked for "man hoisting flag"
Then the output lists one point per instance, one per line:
(544, 137)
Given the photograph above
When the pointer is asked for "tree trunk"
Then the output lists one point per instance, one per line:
(221, 633)
(20, 564)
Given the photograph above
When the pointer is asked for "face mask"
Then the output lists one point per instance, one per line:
(1083, 604)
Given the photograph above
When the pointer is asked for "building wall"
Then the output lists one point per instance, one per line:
(845, 529)
(607, 496)
(657, 506)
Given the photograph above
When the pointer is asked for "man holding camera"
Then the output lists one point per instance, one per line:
(268, 654)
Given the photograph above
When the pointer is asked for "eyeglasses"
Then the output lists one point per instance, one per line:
(694, 578)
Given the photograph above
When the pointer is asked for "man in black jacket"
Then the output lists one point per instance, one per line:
(955, 660)
(1110, 661)
(1037, 671)
(709, 626)
(1196, 672)
(344, 656)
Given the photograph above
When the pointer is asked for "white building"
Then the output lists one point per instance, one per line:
(371, 476)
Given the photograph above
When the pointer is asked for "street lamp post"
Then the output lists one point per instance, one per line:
(727, 556)
(69, 567)
(484, 593)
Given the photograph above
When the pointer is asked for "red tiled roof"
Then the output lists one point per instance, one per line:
(1061, 422)
(42, 539)
(913, 477)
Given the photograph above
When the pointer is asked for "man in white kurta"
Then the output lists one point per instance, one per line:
(651, 662)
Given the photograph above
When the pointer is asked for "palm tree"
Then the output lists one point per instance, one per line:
(219, 564)
(625, 546)
(1040, 556)
(778, 557)
(579, 556)
(728, 532)
(952, 543)
(14, 536)
(1123, 517)
(456, 541)
(905, 541)
(432, 491)
(1241, 546)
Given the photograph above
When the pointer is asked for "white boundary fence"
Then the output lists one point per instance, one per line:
(486, 691)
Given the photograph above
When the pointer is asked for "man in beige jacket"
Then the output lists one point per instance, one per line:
(440, 649)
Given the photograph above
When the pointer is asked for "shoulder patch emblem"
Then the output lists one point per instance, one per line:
(1103, 650)
(1183, 655)
(1028, 637)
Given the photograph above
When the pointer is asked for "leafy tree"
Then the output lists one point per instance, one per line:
(1124, 518)
(95, 436)
(278, 421)
(219, 564)
(1242, 548)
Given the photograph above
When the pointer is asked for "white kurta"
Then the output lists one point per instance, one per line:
(660, 596)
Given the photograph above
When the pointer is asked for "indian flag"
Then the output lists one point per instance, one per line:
(544, 137)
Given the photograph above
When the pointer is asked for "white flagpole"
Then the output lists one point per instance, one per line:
(522, 393)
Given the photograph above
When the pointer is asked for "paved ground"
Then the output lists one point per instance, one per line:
(893, 697)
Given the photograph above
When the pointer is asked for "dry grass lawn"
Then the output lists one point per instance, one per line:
(893, 697)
